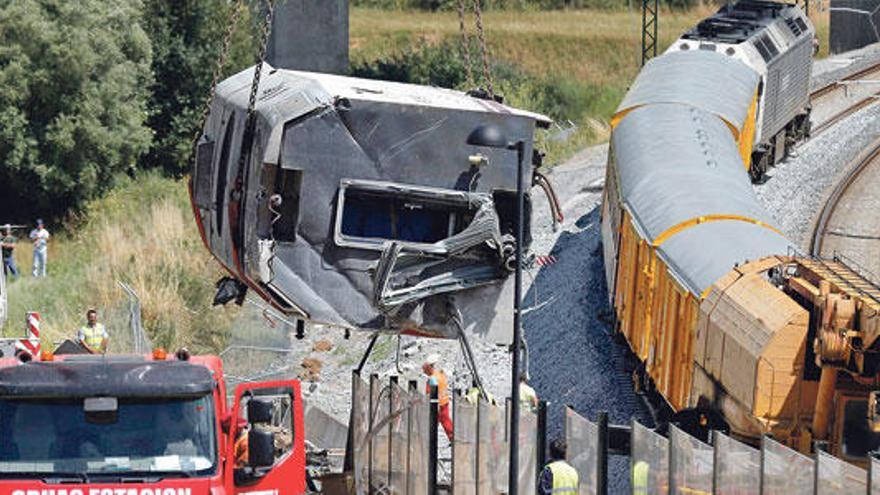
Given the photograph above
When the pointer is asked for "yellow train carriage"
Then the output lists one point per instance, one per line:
(706, 291)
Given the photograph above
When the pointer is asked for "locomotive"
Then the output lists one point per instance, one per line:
(776, 40)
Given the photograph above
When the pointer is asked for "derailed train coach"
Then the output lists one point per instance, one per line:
(360, 205)
(733, 327)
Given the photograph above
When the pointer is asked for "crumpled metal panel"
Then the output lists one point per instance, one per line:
(685, 160)
(710, 81)
(330, 129)
(704, 253)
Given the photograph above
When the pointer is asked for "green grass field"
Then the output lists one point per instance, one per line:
(594, 53)
(141, 233)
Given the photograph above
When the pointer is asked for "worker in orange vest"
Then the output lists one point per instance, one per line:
(437, 377)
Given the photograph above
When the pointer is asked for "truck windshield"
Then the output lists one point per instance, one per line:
(168, 437)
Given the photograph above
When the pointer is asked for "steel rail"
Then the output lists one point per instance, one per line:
(831, 88)
(870, 156)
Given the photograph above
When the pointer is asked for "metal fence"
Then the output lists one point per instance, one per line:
(389, 437)
(480, 448)
(391, 452)
(682, 464)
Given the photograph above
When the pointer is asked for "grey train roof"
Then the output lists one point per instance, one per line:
(676, 163)
(702, 254)
(713, 82)
(338, 130)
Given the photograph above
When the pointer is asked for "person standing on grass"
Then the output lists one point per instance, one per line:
(7, 242)
(40, 237)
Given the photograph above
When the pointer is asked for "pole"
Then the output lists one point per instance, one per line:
(513, 473)
(602, 459)
(392, 389)
(715, 458)
(413, 390)
(432, 440)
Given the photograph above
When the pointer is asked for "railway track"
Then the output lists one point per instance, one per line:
(847, 227)
(826, 96)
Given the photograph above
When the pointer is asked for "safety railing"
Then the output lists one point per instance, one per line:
(393, 449)
(480, 449)
(389, 437)
(683, 464)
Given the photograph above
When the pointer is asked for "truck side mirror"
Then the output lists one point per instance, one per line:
(259, 411)
(261, 448)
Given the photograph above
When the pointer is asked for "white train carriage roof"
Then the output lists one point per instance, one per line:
(677, 163)
(710, 81)
(701, 255)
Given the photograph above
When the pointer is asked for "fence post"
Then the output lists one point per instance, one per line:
(818, 445)
(602, 458)
(374, 390)
(477, 454)
(541, 457)
(413, 390)
(392, 388)
(715, 438)
(432, 441)
(670, 476)
(761, 472)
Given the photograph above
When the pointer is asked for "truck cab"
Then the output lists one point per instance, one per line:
(145, 425)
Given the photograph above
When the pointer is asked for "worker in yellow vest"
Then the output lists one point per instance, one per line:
(528, 398)
(558, 477)
(93, 336)
(640, 478)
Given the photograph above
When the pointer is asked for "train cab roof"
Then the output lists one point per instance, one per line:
(737, 22)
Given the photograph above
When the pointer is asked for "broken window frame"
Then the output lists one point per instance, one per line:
(456, 199)
(476, 255)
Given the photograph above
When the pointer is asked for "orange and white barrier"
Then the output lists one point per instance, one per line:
(31, 342)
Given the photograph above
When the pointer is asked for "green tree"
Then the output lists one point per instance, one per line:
(187, 36)
(74, 82)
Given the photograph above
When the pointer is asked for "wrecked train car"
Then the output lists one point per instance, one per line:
(360, 205)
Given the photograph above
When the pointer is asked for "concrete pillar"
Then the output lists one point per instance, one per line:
(310, 35)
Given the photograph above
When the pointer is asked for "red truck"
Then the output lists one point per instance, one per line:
(145, 425)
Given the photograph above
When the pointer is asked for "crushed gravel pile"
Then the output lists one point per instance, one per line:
(798, 187)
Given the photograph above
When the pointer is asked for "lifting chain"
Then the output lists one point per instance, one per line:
(481, 36)
(250, 119)
(231, 24)
(465, 46)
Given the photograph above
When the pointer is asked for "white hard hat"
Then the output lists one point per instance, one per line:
(432, 359)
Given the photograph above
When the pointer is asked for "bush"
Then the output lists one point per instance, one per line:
(74, 80)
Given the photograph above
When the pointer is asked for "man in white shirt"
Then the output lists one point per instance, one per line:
(40, 238)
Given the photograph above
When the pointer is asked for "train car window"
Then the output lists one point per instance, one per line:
(203, 177)
(771, 47)
(762, 50)
(287, 188)
(372, 215)
(793, 27)
(222, 172)
(803, 25)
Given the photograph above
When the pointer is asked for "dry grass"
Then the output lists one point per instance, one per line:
(141, 233)
(593, 47)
